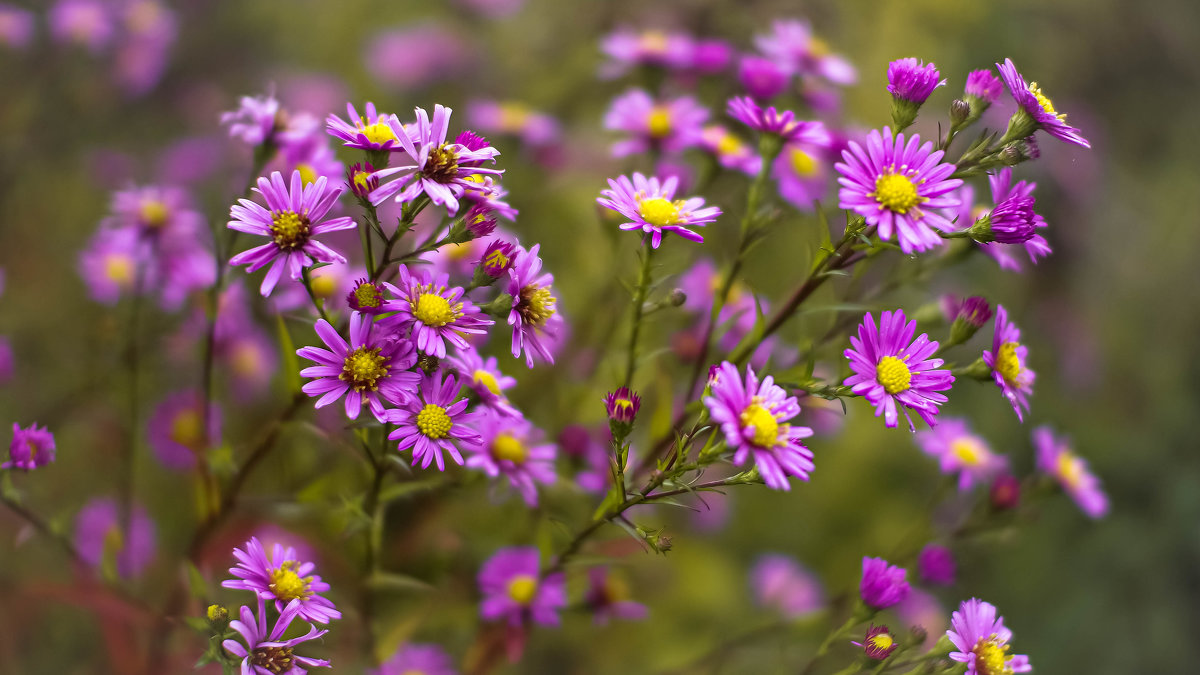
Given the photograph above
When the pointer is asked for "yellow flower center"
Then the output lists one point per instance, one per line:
(766, 429)
(522, 588)
(991, 658)
(496, 259)
(896, 192)
(1045, 101)
(307, 173)
(363, 367)
(432, 309)
(367, 295)
(536, 305)
(153, 213)
(442, 165)
(881, 641)
(246, 360)
(187, 429)
(487, 380)
(893, 374)
(1070, 468)
(803, 164)
(434, 422)
(506, 446)
(659, 122)
(729, 145)
(362, 180)
(379, 132)
(658, 211)
(623, 404)
(968, 450)
(1007, 363)
(286, 584)
(289, 229)
(119, 269)
(324, 286)
(273, 659)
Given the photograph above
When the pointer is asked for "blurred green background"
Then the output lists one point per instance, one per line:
(1110, 319)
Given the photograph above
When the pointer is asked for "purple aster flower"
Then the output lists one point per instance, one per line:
(958, 450)
(1018, 198)
(441, 170)
(982, 641)
(534, 316)
(802, 172)
(436, 312)
(1055, 458)
(891, 368)
(432, 421)
(622, 405)
(30, 448)
(110, 263)
(371, 131)
(882, 584)
(515, 119)
(100, 541)
(371, 368)
(176, 430)
(627, 48)
(16, 27)
(771, 121)
(514, 590)
(731, 152)
(792, 43)
(898, 187)
(484, 379)
(879, 643)
(89, 23)
(711, 56)
(753, 418)
(261, 121)
(490, 193)
(282, 577)
(366, 296)
(406, 58)
(763, 78)
(651, 207)
(1007, 359)
(291, 219)
(511, 446)
(361, 180)
(1036, 110)
(912, 80)
(936, 565)
(781, 583)
(417, 659)
(966, 316)
(982, 90)
(607, 597)
(667, 125)
(497, 258)
(267, 653)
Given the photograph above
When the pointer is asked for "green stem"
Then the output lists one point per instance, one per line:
(306, 277)
(639, 301)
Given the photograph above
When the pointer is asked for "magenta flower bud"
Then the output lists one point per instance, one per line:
(882, 584)
(879, 643)
(30, 448)
(480, 220)
(762, 78)
(366, 297)
(984, 87)
(497, 258)
(472, 141)
(912, 80)
(966, 317)
(622, 405)
(1013, 221)
(711, 56)
(361, 180)
(936, 566)
(1005, 492)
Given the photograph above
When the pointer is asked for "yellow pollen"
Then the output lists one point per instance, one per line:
(432, 309)
(286, 584)
(896, 192)
(362, 180)
(1007, 362)
(379, 132)
(658, 211)
(803, 164)
(324, 286)
(307, 173)
(766, 428)
(119, 269)
(496, 259)
(729, 145)
(434, 422)
(506, 446)
(32, 449)
(486, 379)
(153, 213)
(1070, 468)
(623, 403)
(442, 165)
(991, 658)
(187, 429)
(363, 367)
(893, 374)
(536, 305)
(522, 588)
(289, 229)
(659, 122)
(968, 450)
(881, 641)
(367, 295)
(1044, 101)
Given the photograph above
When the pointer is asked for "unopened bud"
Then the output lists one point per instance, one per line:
(1005, 493)
(676, 298)
(918, 634)
(960, 111)
(217, 616)
(1010, 155)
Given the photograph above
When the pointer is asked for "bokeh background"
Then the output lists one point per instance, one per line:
(1111, 319)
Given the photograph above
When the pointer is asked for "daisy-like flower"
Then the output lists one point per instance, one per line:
(100, 539)
(514, 118)
(628, 48)
(763, 78)
(753, 417)
(513, 447)
(667, 125)
(891, 368)
(607, 597)
(781, 583)
(432, 421)
(291, 219)
(484, 379)
(436, 312)
(513, 589)
(651, 207)
(622, 405)
(960, 451)
(936, 565)
(266, 652)
(1007, 359)
(176, 430)
(281, 577)
(879, 643)
(1036, 110)
(898, 187)
(779, 123)
(802, 172)
(882, 584)
(262, 121)
(371, 131)
(440, 169)
(417, 659)
(372, 368)
(731, 152)
(366, 296)
(982, 641)
(1055, 458)
(30, 448)
(534, 315)
(791, 42)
